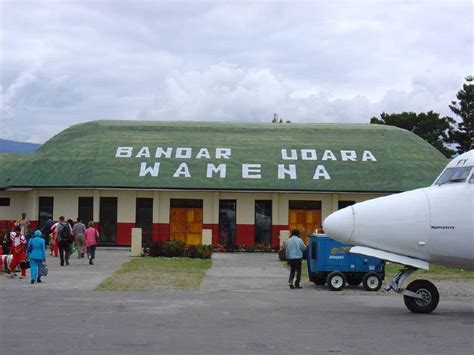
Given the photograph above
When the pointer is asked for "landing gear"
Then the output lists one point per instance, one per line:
(429, 294)
(420, 296)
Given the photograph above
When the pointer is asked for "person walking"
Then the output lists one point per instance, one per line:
(78, 232)
(46, 229)
(24, 224)
(18, 250)
(64, 238)
(37, 255)
(72, 244)
(91, 236)
(54, 240)
(294, 254)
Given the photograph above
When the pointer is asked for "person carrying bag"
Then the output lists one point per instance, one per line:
(36, 255)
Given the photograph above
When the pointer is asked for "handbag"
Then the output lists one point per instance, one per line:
(43, 271)
(25, 264)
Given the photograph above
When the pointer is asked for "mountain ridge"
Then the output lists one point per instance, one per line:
(9, 146)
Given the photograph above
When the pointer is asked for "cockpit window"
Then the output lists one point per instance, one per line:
(454, 175)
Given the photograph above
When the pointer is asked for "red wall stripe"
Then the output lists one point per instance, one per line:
(33, 225)
(245, 234)
(124, 233)
(276, 234)
(161, 232)
(6, 225)
(215, 231)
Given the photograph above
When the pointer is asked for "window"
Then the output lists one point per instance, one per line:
(343, 204)
(185, 203)
(227, 222)
(4, 201)
(263, 221)
(454, 175)
(86, 209)
(304, 205)
(45, 208)
(108, 220)
(144, 218)
(314, 251)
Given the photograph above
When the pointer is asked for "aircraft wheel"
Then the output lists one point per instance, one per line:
(336, 281)
(372, 281)
(425, 289)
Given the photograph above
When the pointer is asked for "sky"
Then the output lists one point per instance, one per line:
(64, 62)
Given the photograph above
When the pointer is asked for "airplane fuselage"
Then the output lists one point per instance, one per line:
(415, 228)
(433, 224)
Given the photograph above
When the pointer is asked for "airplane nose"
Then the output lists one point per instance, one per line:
(340, 225)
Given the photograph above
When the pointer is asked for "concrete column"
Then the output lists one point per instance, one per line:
(96, 206)
(136, 249)
(215, 214)
(326, 207)
(156, 206)
(206, 238)
(32, 212)
(284, 235)
(335, 202)
(275, 208)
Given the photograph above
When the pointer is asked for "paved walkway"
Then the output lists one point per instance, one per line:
(245, 271)
(78, 275)
(230, 272)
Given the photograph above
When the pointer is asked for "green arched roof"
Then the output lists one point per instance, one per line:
(387, 159)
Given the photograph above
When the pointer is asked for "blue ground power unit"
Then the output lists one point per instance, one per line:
(331, 262)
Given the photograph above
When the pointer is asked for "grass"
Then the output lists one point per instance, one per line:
(152, 274)
(435, 273)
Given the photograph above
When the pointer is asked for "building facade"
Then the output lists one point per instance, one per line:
(207, 182)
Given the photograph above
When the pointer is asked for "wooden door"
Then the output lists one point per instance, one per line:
(306, 221)
(186, 225)
(194, 226)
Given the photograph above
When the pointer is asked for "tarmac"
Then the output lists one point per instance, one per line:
(243, 306)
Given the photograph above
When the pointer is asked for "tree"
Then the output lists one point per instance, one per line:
(429, 126)
(462, 135)
(276, 119)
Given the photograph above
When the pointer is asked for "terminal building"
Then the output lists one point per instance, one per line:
(208, 182)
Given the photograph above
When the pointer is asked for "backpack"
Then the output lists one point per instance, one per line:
(66, 232)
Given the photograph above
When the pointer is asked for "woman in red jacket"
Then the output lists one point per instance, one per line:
(18, 250)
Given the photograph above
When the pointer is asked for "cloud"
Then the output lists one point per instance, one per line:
(229, 92)
(69, 62)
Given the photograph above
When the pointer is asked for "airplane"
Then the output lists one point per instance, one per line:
(415, 228)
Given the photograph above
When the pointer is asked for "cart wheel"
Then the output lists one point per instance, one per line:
(425, 289)
(372, 281)
(336, 281)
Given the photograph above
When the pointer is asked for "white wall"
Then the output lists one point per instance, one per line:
(18, 205)
(66, 203)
